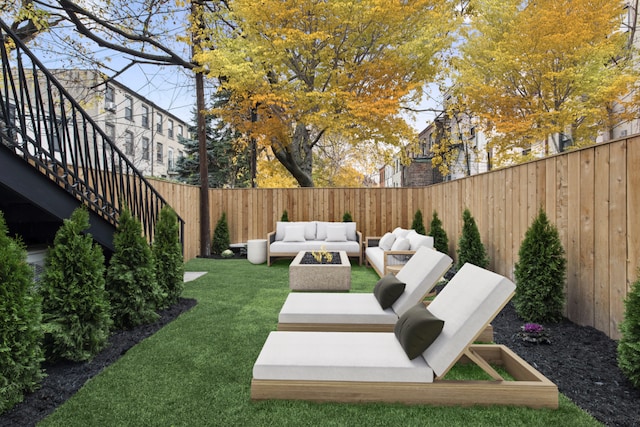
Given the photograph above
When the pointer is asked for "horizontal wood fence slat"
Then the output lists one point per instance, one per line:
(592, 195)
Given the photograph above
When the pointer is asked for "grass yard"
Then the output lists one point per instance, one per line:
(196, 371)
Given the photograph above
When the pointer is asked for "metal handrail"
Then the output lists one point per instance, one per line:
(44, 125)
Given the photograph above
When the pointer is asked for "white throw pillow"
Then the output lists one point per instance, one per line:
(336, 233)
(294, 233)
(420, 240)
(400, 232)
(401, 245)
(386, 241)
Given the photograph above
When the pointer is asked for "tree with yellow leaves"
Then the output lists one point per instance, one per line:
(302, 69)
(545, 71)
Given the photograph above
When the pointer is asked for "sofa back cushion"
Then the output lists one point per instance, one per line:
(416, 240)
(309, 229)
(321, 232)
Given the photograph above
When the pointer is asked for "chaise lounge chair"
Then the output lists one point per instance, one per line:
(361, 312)
(367, 367)
(330, 311)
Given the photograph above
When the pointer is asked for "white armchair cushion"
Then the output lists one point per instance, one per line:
(401, 244)
(386, 241)
(400, 232)
(417, 240)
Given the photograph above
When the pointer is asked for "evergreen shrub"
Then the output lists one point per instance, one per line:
(285, 216)
(418, 223)
(131, 280)
(220, 235)
(540, 273)
(20, 331)
(470, 247)
(629, 344)
(167, 255)
(347, 217)
(75, 306)
(440, 239)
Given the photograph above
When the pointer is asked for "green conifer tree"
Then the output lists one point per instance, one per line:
(540, 273)
(131, 279)
(418, 223)
(285, 216)
(167, 254)
(75, 306)
(228, 159)
(220, 236)
(629, 344)
(347, 217)
(440, 239)
(470, 247)
(20, 330)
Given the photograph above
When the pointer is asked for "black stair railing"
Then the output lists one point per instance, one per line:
(42, 123)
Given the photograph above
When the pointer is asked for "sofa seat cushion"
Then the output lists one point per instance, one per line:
(375, 256)
(338, 356)
(331, 307)
(313, 245)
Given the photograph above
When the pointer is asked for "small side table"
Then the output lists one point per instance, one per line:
(257, 251)
(394, 268)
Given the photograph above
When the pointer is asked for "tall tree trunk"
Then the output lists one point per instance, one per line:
(297, 156)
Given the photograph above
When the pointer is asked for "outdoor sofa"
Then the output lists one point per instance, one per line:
(289, 238)
(393, 248)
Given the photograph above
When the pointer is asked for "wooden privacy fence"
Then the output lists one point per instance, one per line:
(592, 195)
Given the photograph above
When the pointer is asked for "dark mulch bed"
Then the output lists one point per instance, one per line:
(64, 379)
(580, 360)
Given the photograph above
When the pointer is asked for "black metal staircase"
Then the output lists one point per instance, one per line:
(54, 158)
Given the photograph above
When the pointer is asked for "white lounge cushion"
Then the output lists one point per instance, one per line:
(375, 255)
(466, 304)
(331, 307)
(416, 240)
(338, 356)
(420, 273)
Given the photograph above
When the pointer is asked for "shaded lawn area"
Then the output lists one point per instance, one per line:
(196, 371)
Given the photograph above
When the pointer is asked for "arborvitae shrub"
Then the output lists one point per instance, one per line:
(20, 330)
(220, 235)
(418, 223)
(347, 217)
(470, 247)
(131, 279)
(540, 273)
(285, 216)
(167, 254)
(629, 344)
(75, 307)
(440, 239)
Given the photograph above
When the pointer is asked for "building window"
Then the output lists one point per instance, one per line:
(159, 124)
(110, 130)
(159, 152)
(180, 131)
(110, 99)
(109, 94)
(170, 129)
(128, 108)
(128, 143)
(145, 148)
(170, 163)
(145, 117)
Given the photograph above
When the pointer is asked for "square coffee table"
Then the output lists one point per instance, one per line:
(320, 277)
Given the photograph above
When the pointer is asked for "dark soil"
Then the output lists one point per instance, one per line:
(580, 360)
(65, 378)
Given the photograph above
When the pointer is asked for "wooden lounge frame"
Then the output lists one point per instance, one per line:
(529, 388)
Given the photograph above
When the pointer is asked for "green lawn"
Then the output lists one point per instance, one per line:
(196, 371)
